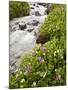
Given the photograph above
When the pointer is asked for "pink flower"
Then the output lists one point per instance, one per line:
(58, 77)
(43, 49)
(41, 59)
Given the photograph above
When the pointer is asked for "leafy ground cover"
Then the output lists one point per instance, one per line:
(45, 64)
(18, 9)
(54, 25)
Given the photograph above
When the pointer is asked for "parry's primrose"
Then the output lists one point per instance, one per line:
(43, 49)
(40, 59)
(58, 77)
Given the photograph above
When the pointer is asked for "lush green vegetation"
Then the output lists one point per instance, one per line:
(18, 9)
(45, 65)
(54, 25)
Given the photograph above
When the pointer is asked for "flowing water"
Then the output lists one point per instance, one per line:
(23, 33)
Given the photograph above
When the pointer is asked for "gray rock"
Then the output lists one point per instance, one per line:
(43, 4)
(35, 22)
(30, 29)
(22, 26)
(31, 7)
(48, 8)
(34, 4)
(37, 13)
(17, 23)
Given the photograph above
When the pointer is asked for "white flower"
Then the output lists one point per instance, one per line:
(41, 74)
(55, 70)
(36, 52)
(20, 72)
(17, 75)
(34, 84)
(44, 75)
(62, 57)
(16, 70)
(26, 72)
(57, 51)
(54, 54)
(44, 54)
(23, 80)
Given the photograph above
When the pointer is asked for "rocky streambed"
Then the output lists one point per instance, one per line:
(23, 32)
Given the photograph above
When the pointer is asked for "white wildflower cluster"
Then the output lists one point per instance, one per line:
(44, 54)
(17, 75)
(55, 53)
(58, 51)
(42, 74)
(20, 72)
(34, 84)
(23, 80)
(25, 73)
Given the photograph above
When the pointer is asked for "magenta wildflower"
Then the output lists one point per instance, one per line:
(58, 77)
(29, 67)
(43, 49)
(41, 59)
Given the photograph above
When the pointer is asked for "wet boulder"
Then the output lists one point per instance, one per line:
(43, 38)
(30, 29)
(35, 22)
(43, 4)
(32, 7)
(22, 26)
(37, 13)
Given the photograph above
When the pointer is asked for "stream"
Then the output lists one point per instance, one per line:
(23, 33)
